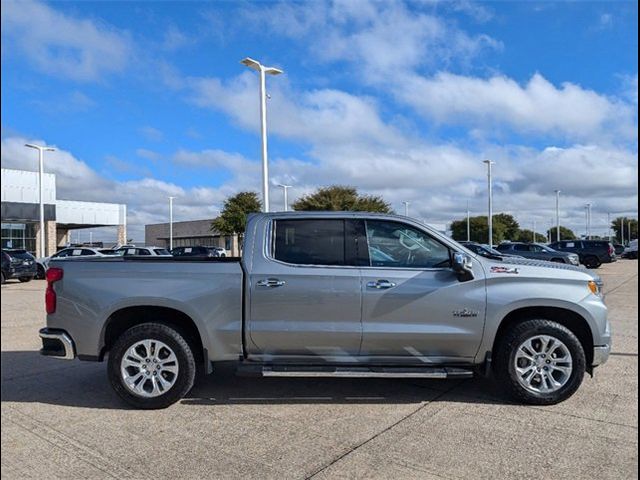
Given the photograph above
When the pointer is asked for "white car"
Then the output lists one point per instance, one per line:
(66, 253)
(632, 250)
(144, 251)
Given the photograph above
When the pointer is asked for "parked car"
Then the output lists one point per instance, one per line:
(538, 251)
(632, 250)
(309, 298)
(592, 253)
(149, 251)
(18, 264)
(66, 253)
(486, 250)
(619, 249)
(199, 251)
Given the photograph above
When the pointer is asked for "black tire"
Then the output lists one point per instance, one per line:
(3, 279)
(25, 279)
(41, 275)
(592, 261)
(174, 340)
(504, 364)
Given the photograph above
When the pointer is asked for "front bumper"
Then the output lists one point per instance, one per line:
(57, 343)
(601, 354)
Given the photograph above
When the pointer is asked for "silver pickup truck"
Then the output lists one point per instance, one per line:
(335, 294)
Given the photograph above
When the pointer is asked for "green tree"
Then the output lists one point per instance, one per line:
(505, 227)
(341, 198)
(565, 233)
(526, 235)
(233, 218)
(629, 224)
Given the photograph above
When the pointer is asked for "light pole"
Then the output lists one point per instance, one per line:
(263, 71)
(468, 223)
(557, 215)
(629, 231)
(41, 150)
(171, 223)
(286, 198)
(534, 231)
(622, 230)
(609, 225)
(490, 191)
(588, 207)
(406, 208)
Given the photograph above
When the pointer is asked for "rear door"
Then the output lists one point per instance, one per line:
(414, 308)
(305, 295)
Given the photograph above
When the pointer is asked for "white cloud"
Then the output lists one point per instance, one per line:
(537, 107)
(152, 134)
(63, 45)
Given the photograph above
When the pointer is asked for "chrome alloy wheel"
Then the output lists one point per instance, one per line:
(149, 368)
(543, 364)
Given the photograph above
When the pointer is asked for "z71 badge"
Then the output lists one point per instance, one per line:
(512, 270)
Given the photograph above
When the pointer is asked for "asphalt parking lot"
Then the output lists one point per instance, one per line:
(61, 420)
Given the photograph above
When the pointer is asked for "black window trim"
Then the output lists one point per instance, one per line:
(270, 233)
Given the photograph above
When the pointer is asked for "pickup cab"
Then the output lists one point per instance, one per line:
(336, 294)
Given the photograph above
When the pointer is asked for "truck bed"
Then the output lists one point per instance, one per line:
(207, 290)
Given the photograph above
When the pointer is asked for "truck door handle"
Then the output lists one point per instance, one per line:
(380, 284)
(270, 282)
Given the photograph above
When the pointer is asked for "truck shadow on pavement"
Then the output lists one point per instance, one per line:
(29, 378)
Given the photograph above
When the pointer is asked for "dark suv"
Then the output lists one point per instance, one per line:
(538, 251)
(198, 251)
(592, 253)
(18, 264)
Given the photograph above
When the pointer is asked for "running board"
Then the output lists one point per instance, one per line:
(352, 372)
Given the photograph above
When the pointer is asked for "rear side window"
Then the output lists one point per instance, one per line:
(310, 242)
(521, 248)
(142, 251)
(161, 251)
(87, 252)
(503, 247)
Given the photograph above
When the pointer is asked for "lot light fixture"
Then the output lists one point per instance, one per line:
(490, 192)
(41, 149)
(286, 198)
(263, 71)
(171, 223)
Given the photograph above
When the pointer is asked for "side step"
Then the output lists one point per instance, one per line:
(352, 371)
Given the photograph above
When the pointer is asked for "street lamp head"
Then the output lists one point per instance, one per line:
(489, 162)
(273, 71)
(257, 66)
(38, 147)
(251, 63)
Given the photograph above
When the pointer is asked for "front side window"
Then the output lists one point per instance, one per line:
(310, 241)
(393, 244)
(521, 248)
(142, 251)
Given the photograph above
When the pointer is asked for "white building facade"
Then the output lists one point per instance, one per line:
(21, 213)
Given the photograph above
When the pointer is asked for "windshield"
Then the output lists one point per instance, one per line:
(545, 248)
(492, 250)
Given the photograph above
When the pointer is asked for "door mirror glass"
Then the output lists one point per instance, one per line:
(462, 265)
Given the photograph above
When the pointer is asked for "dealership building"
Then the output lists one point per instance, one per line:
(190, 234)
(21, 214)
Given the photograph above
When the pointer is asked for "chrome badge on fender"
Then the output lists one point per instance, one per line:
(465, 312)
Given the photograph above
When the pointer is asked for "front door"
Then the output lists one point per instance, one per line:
(305, 297)
(414, 307)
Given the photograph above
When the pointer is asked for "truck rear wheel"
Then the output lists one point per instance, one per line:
(151, 366)
(540, 362)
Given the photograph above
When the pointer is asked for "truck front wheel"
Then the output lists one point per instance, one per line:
(151, 366)
(540, 362)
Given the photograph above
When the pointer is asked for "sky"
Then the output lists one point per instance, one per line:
(145, 100)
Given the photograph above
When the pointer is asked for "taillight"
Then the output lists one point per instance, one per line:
(53, 275)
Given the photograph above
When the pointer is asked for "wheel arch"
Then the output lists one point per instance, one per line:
(564, 316)
(126, 317)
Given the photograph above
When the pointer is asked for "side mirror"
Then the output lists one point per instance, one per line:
(462, 266)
